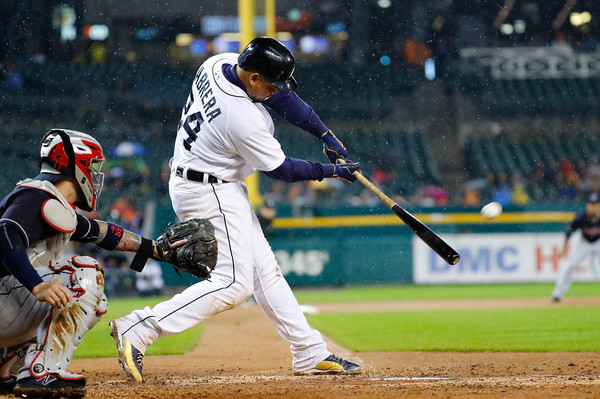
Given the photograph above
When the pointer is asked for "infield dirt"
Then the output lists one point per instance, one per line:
(240, 355)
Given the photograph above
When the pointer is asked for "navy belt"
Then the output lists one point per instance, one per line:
(201, 177)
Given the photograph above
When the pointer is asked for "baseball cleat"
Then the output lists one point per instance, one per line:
(52, 385)
(129, 356)
(7, 385)
(332, 365)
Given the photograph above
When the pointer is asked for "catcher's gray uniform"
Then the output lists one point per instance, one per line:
(38, 340)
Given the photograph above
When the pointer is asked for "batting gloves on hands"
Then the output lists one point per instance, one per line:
(346, 171)
(332, 147)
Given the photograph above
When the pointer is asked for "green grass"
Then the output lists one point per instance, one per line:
(424, 292)
(98, 342)
(556, 329)
(553, 329)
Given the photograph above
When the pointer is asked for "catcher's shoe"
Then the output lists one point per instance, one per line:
(129, 356)
(7, 385)
(52, 385)
(332, 365)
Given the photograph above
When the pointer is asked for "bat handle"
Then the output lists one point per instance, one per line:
(370, 186)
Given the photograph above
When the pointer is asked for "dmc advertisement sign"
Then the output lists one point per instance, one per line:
(499, 258)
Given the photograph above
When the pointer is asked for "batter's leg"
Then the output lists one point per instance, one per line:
(275, 297)
(230, 283)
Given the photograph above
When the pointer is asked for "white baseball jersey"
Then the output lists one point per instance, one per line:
(221, 132)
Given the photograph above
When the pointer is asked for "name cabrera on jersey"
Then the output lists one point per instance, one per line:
(221, 131)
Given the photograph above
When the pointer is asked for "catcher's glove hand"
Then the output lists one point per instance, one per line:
(197, 256)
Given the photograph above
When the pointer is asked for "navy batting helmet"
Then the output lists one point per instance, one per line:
(271, 59)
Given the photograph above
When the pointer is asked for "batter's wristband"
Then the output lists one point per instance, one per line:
(145, 251)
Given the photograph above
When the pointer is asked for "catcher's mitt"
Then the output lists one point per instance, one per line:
(198, 256)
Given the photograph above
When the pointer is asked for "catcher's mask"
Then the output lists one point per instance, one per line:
(77, 155)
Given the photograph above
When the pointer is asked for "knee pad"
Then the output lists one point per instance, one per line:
(63, 329)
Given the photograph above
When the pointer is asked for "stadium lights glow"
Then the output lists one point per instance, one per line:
(230, 36)
(283, 36)
(384, 3)
(519, 25)
(507, 29)
(385, 60)
(341, 35)
(96, 32)
(580, 18)
(184, 39)
(430, 69)
(67, 33)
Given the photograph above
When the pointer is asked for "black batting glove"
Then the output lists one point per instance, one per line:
(332, 147)
(346, 171)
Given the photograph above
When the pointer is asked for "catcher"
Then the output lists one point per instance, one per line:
(47, 303)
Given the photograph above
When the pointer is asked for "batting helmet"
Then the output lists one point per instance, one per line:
(271, 59)
(68, 153)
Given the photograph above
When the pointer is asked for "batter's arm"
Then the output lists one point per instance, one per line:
(294, 170)
(294, 110)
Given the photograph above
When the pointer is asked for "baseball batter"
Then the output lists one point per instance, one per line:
(224, 135)
(589, 245)
(47, 304)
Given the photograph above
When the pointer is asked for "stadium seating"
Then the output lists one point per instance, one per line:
(336, 90)
(530, 96)
(503, 155)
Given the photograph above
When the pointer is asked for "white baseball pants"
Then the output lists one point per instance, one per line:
(581, 250)
(246, 265)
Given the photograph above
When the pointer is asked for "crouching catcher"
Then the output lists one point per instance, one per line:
(48, 303)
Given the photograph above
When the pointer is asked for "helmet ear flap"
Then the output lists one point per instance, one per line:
(69, 169)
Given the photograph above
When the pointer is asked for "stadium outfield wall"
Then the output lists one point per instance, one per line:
(376, 248)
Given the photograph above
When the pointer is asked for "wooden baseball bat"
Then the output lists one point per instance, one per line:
(434, 242)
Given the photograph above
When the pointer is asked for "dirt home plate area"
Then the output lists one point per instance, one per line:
(240, 355)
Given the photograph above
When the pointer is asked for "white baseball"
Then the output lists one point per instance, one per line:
(491, 210)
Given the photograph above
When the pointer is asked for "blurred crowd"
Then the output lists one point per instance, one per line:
(563, 181)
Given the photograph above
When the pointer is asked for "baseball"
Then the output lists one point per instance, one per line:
(491, 210)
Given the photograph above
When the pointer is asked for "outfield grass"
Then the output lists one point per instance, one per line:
(424, 292)
(98, 342)
(556, 329)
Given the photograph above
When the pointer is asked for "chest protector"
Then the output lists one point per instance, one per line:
(59, 214)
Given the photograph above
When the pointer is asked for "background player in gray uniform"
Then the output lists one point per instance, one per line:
(224, 135)
(47, 304)
(589, 245)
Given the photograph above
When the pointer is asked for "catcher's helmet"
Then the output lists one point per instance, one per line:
(74, 154)
(271, 59)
